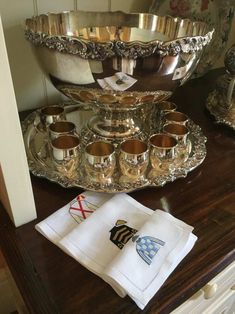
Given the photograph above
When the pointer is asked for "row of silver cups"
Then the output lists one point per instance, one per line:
(133, 160)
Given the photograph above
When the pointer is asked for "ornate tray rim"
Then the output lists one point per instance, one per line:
(221, 117)
(39, 170)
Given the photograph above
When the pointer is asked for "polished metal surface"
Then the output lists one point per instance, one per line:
(216, 105)
(81, 47)
(115, 33)
(100, 162)
(181, 133)
(59, 128)
(162, 153)
(221, 101)
(65, 154)
(175, 117)
(117, 116)
(229, 60)
(165, 106)
(41, 163)
(138, 59)
(133, 161)
(51, 114)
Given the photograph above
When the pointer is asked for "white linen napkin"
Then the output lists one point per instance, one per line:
(128, 245)
(64, 220)
(99, 245)
(90, 242)
(144, 263)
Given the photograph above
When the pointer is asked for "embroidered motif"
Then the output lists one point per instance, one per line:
(81, 208)
(119, 82)
(147, 247)
(121, 233)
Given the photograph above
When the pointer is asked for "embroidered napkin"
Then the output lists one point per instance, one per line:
(148, 259)
(131, 247)
(96, 241)
(64, 220)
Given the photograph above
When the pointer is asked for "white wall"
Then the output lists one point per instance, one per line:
(31, 87)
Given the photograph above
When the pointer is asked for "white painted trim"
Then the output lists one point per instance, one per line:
(21, 206)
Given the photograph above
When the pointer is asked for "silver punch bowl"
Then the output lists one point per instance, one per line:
(147, 57)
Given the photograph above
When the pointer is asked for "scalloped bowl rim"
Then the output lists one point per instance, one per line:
(208, 32)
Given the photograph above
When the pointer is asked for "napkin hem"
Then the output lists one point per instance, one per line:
(48, 232)
(167, 262)
(172, 254)
(73, 250)
(142, 297)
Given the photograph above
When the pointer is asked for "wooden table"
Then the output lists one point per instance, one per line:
(50, 281)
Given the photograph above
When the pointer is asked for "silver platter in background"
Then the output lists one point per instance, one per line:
(216, 105)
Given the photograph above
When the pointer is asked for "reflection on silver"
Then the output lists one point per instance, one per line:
(229, 62)
(133, 160)
(162, 153)
(221, 101)
(165, 204)
(100, 161)
(165, 106)
(65, 154)
(51, 114)
(175, 117)
(77, 48)
(116, 33)
(41, 165)
(216, 104)
(180, 133)
(59, 128)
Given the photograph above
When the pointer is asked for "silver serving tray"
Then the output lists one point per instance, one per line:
(40, 163)
(216, 106)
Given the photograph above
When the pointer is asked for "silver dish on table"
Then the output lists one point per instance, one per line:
(157, 53)
(41, 165)
(216, 105)
(221, 101)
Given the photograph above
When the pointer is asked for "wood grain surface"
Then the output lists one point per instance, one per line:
(52, 282)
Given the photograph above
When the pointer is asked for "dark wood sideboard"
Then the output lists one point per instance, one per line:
(52, 282)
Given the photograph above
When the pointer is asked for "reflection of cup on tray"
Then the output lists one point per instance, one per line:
(133, 160)
(65, 154)
(162, 153)
(165, 106)
(51, 114)
(176, 117)
(100, 161)
(60, 128)
(180, 133)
